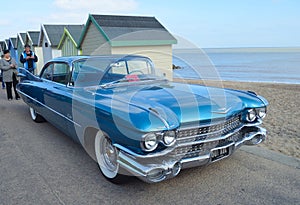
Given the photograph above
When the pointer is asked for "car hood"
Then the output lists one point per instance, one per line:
(176, 104)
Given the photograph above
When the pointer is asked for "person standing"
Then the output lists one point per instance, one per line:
(1, 71)
(9, 68)
(29, 59)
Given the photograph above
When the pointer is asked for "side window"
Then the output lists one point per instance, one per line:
(48, 72)
(119, 68)
(139, 67)
(57, 72)
(61, 73)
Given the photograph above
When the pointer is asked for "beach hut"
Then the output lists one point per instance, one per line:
(49, 39)
(69, 41)
(110, 34)
(12, 47)
(20, 46)
(32, 39)
(3, 46)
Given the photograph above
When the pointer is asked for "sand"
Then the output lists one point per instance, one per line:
(283, 118)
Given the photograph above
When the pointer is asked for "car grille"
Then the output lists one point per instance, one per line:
(199, 141)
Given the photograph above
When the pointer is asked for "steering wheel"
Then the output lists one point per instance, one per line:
(136, 71)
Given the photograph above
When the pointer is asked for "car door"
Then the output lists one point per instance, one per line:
(57, 96)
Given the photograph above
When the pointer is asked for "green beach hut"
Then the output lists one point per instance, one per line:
(69, 41)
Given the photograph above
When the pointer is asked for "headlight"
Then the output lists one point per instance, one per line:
(169, 138)
(261, 112)
(150, 142)
(251, 115)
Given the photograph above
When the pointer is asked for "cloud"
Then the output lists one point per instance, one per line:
(70, 11)
(5, 22)
(66, 18)
(92, 6)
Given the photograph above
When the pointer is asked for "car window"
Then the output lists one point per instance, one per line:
(48, 72)
(119, 68)
(60, 73)
(138, 67)
(57, 72)
(88, 72)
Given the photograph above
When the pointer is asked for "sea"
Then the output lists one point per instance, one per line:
(274, 65)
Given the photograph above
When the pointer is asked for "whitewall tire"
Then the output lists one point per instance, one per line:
(35, 116)
(107, 158)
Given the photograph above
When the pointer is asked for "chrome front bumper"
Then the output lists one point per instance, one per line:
(158, 168)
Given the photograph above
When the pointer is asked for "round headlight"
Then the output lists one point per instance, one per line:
(150, 142)
(261, 112)
(169, 138)
(251, 115)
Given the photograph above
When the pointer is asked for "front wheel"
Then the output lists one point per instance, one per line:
(35, 116)
(107, 158)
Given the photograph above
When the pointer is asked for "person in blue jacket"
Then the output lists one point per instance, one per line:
(29, 59)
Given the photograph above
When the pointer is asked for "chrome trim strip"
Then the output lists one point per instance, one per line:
(49, 108)
(149, 155)
(130, 165)
(259, 122)
(223, 147)
(199, 158)
(222, 110)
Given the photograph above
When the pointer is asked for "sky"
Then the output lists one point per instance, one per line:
(204, 23)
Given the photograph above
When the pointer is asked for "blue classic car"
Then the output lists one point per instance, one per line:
(133, 122)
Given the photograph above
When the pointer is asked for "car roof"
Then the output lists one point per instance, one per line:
(71, 59)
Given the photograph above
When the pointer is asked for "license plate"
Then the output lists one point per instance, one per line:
(220, 153)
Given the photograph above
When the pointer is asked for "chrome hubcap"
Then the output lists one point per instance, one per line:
(109, 155)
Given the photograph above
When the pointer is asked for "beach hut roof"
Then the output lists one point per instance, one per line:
(13, 41)
(74, 32)
(34, 37)
(21, 38)
(3, 45)
(53, 33)
(135, 29)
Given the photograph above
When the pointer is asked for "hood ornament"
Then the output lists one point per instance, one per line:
(222, 110)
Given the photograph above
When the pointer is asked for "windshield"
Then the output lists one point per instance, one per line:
(110, 71)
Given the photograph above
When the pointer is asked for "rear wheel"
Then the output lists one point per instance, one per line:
(35, 116)
(107, 158)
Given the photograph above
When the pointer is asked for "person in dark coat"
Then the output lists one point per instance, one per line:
(29, 59)
(9, 68)
(1, 76)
